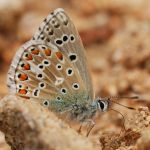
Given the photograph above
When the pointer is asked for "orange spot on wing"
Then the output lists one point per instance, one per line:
(22, 91)
(26, 67)
(29, 57)
(35, 52)
(23, 77)
(47, 52)
(59, 55)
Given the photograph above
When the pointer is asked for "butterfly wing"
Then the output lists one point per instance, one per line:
(58, 29)
(41, 71)
(52, 66)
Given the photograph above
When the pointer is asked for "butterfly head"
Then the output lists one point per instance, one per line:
(105, 104)
(102, 104)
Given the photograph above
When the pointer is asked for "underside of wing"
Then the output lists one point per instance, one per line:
(43, 72)
(58, 29)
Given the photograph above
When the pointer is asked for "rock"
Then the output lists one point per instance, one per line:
(27, 125)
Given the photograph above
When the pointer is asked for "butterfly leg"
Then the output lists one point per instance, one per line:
(80, 128)
(91, 124)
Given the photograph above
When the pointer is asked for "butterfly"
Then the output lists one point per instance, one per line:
(51, 69)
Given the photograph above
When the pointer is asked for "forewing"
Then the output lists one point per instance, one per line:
(58, 29)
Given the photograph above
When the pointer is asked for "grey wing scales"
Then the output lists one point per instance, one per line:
(58, 29)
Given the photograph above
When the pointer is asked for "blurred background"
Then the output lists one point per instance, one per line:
(115, 34)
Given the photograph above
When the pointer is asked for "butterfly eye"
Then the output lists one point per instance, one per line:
(59, 67)
(69, 72)
(75, 86)
(102, 105)
(46, 103)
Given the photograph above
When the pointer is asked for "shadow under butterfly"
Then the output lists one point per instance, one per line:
(51, 69)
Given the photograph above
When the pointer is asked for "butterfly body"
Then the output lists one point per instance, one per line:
(51, 69)
(77, 106)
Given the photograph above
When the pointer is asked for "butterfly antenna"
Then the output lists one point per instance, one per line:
(122, 105)
(122, 97)
(123, 118)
